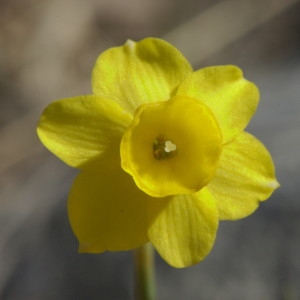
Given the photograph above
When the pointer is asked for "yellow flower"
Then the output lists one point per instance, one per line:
(162, 152)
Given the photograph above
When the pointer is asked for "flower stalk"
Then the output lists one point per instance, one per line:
(144, 273)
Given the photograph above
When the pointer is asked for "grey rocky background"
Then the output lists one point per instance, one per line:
(47, 51)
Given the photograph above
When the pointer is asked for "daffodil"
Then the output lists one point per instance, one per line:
(162, 152)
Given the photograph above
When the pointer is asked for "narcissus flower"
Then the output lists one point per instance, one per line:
(162, 151)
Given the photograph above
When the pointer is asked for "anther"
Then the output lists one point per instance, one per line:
(163, 148)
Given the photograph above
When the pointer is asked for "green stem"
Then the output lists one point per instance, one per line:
(144, 273)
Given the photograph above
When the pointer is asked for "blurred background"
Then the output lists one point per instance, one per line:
(47, 51)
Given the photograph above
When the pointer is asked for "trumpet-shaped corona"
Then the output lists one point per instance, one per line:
(172, 147)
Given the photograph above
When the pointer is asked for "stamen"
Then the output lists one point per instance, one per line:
(163, 148)
(169, 146)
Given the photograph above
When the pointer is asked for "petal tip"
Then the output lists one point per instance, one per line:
(274, 184)
(130, 44)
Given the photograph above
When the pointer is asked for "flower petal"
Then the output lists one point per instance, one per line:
(245, 176)
(136, 73)
(183, 228)
(79, 129)
(106, 210)
(232, 98)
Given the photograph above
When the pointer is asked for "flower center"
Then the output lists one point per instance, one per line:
(163, 148)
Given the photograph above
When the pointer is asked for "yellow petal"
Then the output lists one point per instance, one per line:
(244, 177)
(79, 129)
(183, 228)
(232, 98)
(136, 73)
(106, 210)
(172, 147)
